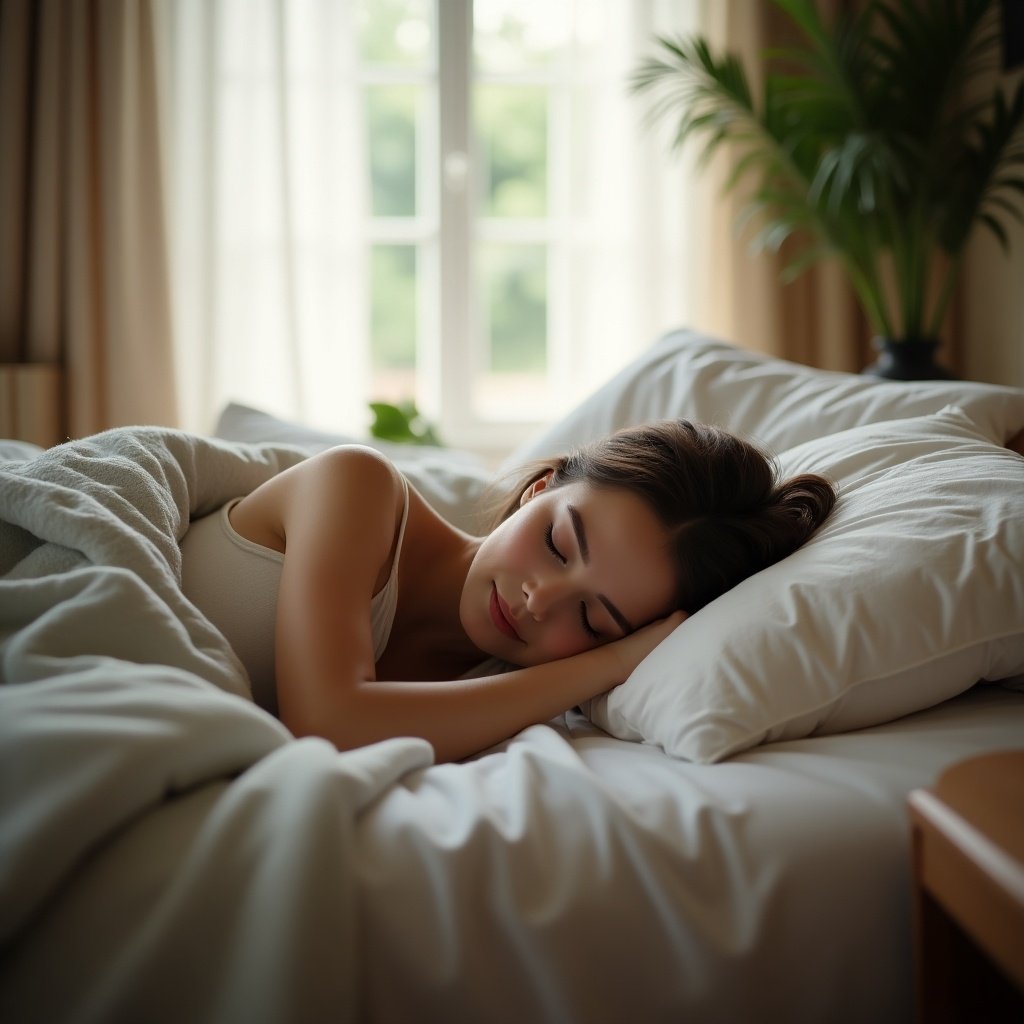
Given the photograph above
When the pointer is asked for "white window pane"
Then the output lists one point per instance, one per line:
(518, 35)
(396, 33)
(512, 134)
(515, 289)
(394, 318)
(391, 117)
(512, 377)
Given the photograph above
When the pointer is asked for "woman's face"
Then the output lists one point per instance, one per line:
(575, 567)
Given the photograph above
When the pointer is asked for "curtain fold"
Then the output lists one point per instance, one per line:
(84, 286)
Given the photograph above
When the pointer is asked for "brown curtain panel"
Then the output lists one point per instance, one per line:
(84, 285)
(813, 320)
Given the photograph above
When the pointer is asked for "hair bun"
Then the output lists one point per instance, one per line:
(807, 500)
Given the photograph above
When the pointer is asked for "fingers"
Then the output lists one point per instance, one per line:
(671, 622)
(631, 650)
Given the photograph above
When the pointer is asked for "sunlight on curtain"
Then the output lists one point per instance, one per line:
(271, 295)
(271, 179)
(631, 264)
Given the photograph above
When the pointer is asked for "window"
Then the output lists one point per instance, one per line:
(443, 200)
(467, 184)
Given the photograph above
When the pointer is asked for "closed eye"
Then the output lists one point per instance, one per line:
(587, 627)
(549, 539)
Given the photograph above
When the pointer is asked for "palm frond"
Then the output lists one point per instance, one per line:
(982, 179)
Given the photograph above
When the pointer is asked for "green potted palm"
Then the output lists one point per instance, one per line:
(866, 142)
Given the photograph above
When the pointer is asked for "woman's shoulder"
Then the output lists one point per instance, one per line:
(354, 461)
(350, 483)
(353, 472)
(345, 512)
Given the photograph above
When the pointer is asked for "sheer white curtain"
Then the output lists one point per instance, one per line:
(268, 179)
(270, 182)
(634, 264)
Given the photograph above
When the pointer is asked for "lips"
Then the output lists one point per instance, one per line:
(501, 616)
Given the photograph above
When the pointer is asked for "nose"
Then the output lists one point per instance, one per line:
(542, 594)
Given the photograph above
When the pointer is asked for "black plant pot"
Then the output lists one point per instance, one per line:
(907, 359)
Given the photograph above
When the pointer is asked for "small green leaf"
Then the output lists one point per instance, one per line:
(402, 424)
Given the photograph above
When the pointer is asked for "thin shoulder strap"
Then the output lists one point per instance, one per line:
(401, 527)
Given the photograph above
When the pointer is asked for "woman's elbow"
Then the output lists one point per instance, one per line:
(333, 723)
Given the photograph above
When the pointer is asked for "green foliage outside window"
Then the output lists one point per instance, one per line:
(512, 127)
(393, 306)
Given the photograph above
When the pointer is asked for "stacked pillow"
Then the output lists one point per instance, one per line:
(911, 593)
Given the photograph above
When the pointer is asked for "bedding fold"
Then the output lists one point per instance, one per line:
(122, 702)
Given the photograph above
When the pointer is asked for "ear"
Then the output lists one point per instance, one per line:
(536, 487)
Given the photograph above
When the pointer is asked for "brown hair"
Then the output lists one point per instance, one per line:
(719, 496)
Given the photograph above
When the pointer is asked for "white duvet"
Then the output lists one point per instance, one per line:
(120, 701)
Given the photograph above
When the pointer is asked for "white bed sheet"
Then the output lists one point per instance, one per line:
(565, 876)
(576, 877)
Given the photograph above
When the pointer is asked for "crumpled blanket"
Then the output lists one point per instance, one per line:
(122, 709)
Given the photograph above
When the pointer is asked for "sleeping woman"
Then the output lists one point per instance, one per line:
(360, 614)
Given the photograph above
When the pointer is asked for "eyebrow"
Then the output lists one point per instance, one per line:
(581, 539)
(581, 534)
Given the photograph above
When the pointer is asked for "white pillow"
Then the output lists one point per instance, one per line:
(910, 593)
(255, 426)
(451, 481)
(779, 403)
(17, 451)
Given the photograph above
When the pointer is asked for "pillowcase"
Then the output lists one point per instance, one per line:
(18, 451)
(451, 481)
(910, 593)
(778, 403)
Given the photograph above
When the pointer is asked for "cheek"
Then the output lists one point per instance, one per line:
(563, 638)
(511, 548)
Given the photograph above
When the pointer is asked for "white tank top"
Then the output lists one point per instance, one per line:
(234, 583)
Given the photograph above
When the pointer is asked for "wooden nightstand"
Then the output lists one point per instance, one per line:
(968, 848)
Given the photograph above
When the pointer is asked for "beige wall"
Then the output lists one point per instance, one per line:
(992, 318)
(991, 300)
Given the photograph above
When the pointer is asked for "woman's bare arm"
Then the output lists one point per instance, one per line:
(463, 716)
(337, 539)
(338, 513)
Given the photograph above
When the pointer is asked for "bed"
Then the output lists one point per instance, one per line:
(724, 837)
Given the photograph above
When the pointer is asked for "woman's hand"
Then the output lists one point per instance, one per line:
(632, 649)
